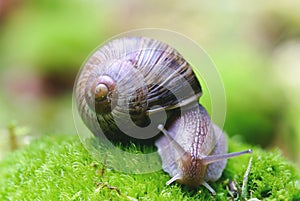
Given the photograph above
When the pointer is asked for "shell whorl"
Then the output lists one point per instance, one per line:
(99, 94)
(129, 76)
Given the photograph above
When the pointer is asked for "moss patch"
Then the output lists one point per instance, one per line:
(59, 168)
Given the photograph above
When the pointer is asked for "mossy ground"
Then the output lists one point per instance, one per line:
(59, 168)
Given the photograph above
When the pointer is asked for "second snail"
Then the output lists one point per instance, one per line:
(136, 84)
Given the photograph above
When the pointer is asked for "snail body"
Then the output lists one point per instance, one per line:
(194, 150)
(129, 80)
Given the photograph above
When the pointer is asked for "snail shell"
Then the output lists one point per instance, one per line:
(128, 79)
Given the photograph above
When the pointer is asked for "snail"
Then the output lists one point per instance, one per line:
(127, 84)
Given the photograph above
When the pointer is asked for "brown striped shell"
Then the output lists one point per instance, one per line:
(126, 80)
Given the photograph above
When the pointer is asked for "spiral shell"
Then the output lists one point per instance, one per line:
(127, 80)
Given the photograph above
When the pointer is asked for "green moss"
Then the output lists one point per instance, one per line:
(59, 168)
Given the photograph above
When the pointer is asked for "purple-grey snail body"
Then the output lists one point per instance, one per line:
(131, 79)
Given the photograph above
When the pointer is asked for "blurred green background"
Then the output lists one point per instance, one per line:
(255, 46)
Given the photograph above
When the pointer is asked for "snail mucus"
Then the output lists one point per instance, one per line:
(126, 84)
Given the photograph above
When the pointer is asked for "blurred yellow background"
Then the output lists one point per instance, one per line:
(255, 46)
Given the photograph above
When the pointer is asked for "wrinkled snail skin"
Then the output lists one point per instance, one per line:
(197, 137)
(135, 75)
(121, 85)
(194, 150)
